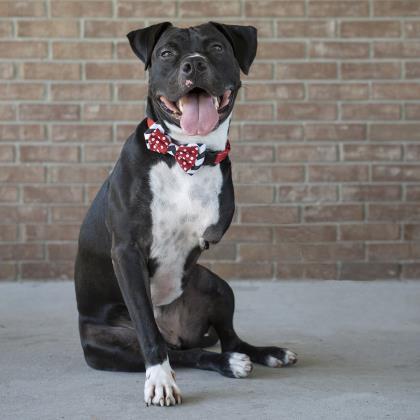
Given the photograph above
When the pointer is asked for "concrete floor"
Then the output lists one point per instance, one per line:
(359, 348)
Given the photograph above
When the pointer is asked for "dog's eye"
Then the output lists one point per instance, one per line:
(217, 47)
(166, 53)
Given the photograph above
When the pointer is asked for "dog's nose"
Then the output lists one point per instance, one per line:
(193, 64)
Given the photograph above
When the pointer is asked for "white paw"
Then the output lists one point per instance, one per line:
(289, 358)
(160, 387)
(240, 365)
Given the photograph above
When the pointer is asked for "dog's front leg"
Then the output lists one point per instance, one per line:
(131, 271)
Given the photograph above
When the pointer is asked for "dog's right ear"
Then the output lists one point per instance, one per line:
(143, 41)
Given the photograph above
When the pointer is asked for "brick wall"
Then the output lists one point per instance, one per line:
(332, 103)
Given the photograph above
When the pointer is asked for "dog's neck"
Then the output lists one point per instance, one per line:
(216, 140)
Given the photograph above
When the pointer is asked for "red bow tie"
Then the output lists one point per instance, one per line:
(190, 157)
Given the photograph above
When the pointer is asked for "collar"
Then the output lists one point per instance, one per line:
(189, 156)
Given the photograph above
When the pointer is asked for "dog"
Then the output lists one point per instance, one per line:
(144, 302)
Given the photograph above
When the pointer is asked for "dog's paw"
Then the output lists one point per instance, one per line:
(160, 387)
(277, 357)
(238, 365)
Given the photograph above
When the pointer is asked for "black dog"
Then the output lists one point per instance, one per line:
(143, 300)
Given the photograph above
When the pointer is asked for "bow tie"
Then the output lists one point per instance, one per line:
(190, 157)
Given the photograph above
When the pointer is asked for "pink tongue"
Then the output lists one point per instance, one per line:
(199, 116)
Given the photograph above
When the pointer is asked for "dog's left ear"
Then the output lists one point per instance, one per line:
(143, 41)
(243, 40)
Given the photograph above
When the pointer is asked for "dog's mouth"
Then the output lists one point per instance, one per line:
(198, 111)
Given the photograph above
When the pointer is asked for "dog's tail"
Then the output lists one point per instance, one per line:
(209, 339)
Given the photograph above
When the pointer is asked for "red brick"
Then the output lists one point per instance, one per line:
(269, 174)
(260, 71)
(275, 50)
(22, 8)
(220, 252)
(393, 252)
(339, 50)
(307, 111)
(369, 271)
(307, 271)
(52, 194)
(265, 28)
(81, 9)
(23, 49)
(335, 132)
(306, 193)
(305, 153)
(305, 29)
(51, 71)
(269, 214)
(16, 174)
(396, 173)
(23, 214)
(109, 71)
(397, 8)
(8, 194)
(132, 92)
(6, 29)
(7, 153)
(411, 271)
(68, 214)
(12, 91)
(254, 111)
(8, 232)
(338, 8)
(371, 112)
(62, 252)
(81, 133)
(333, 213)
(82, 50)
(338, 173)
(394, 212)
(51, 270)
(253, 153)
(371, 192)
(124, 131)
(243, 270)
(7, 112)
(18, 252)
(265, 252)
(22, 132)
(112, 112)
(40, 112)
(305, 233)
(206, 8)
(412, 193)
(370, 70)
(272, 132)
(48, 28)
(80, 92)
(412, 152)
(51, 232)
(333, 252)
(356, 152)
(274, 91)
(82, 174)
(275, 8)
(255, 194)
(49, 153)
(370, 232)
(8, 271)
(338, 92)
(406, 49)
(372, 29)
(106, 153)
(246, 233)
(7, 71)
(412, 29)
(395, 132)
(412, 111)
(312, 70)
(412, 232)
(144, 9)
(396, 91)
(109, 28)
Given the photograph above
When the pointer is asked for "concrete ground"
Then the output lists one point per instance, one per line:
(359, 348)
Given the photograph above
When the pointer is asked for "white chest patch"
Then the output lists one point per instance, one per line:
(182, 208)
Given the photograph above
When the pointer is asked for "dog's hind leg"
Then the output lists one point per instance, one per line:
(221, 307)
(115, 348)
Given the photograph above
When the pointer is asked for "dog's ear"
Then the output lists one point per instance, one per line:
(143, 41)
(243, 40)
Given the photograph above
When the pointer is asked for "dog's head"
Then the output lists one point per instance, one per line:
(194, 73)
